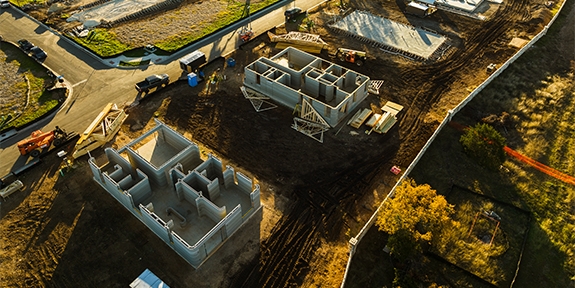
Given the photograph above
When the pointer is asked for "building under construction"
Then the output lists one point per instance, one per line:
(193, 204)
(293, 78)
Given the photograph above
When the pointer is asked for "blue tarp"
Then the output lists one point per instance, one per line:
(148, 280)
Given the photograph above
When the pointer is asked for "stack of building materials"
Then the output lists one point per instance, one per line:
(101, 130)
(311, 43)
(359, 117)
(381, 123)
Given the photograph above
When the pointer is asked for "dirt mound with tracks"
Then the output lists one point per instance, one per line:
(61, 233)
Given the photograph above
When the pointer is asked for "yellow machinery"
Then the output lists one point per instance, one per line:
(102, 130)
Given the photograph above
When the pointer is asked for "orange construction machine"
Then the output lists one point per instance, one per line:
(42, 141)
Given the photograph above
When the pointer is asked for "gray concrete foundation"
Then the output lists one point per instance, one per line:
(392, 36)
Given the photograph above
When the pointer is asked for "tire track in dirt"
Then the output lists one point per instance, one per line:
(444, 72)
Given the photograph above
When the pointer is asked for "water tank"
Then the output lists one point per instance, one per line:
(193, 79)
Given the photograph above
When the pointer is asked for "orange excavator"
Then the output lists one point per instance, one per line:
(42, 141)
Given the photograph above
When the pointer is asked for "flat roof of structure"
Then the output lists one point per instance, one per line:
(390, 33)
(465, 5)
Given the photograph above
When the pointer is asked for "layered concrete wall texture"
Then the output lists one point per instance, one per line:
(150, 180)
(292, 75)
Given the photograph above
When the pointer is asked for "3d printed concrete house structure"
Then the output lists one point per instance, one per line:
(192, 204)
(293, 77)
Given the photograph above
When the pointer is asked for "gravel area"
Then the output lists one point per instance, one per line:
(12, 84)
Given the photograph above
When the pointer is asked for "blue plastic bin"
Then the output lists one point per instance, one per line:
(231, 62)
(193, 79)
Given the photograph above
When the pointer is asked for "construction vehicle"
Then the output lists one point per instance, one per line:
(101, 130)
(40, 142)
(351, 56)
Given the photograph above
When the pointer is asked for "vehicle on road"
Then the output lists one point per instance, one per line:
(41, 142)
(292, 13)
(351, 56)
(25, 45)
(4, 3)
(38, 53)
(153, 81)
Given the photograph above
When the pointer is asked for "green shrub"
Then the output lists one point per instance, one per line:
(485, 145)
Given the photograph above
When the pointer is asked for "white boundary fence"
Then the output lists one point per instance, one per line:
(354, 241)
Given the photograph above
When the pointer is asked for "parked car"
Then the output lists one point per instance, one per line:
(4, 3)
(292, 13)
(38, 53)
(25, 45)
(156, 80)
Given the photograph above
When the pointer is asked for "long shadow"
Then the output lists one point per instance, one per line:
(32, 180)
(371, 266)
(81, 53)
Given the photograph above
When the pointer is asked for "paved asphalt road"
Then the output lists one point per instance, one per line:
(94, 83)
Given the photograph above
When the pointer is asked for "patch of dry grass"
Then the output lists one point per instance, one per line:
(184, 20)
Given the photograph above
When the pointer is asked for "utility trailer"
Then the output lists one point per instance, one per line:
(193, 62)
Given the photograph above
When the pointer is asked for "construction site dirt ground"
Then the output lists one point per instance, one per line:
(65, 230)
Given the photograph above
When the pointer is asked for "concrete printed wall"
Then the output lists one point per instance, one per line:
(342, 89)
(130, 181)
(155, 223)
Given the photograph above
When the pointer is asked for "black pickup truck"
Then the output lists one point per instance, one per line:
(152, 82)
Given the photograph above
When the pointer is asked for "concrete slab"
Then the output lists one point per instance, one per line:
(393, 34)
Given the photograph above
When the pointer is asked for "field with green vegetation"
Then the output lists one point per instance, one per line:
(22, 76)
(537, 91)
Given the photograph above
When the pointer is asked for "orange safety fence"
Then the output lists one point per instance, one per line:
(539, 166)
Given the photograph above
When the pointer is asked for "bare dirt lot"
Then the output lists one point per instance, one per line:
(63, 231)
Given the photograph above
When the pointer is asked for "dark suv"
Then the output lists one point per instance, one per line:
(25, 45)
(292, 13)
(38, 53)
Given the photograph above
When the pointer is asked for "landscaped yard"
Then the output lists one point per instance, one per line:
(23, 96)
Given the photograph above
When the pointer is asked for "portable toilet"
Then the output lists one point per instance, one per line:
(193, 79)
(193, 61)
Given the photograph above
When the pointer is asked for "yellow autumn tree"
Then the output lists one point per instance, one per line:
(414, 210)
